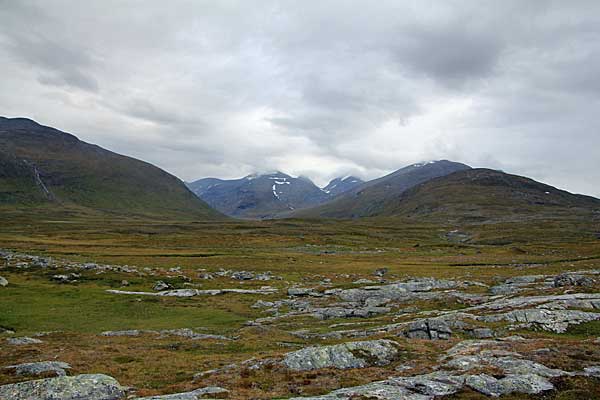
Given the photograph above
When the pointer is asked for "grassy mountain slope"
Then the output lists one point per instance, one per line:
(484, 194)
(375, 197)
(44, 166)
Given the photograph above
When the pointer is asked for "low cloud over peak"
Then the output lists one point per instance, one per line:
(321, 89)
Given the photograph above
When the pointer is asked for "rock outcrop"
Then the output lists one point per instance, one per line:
(80, 387)
(37, 368)
(202, 393)
(343, 356)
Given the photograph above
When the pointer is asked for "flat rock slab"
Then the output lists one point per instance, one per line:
(550, 320)
(80, 387)
(197, 394)
(21, 341)
(197, 292)
(343, 356)
(182, 332)
(3, 282)
(38, 368)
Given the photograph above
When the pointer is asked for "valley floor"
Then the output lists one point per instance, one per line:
(261, 310)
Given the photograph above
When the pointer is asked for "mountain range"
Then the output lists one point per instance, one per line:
(44, 168)
(260, 196)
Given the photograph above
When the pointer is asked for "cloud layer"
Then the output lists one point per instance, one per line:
(316, 88)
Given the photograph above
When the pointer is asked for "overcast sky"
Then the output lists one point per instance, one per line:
(316, 88)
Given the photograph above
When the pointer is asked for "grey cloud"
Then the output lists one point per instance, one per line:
(325, 88)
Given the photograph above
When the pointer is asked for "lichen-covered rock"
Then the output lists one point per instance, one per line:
(3, 282)
(37, 368)
(343, 356)
(434, 384)
(572, 280)
(432, 329)
(211, 391)
(381, 390)
(348, 312)
(296, 291)
(490, 386)
(80, 387)
(21, 341)
(395, 291)
(160, 286)
(242, 275)
(550, 320)
(130, 332)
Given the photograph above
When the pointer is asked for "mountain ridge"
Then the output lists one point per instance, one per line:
(76, 174)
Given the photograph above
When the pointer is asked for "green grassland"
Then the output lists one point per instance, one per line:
(301, 252)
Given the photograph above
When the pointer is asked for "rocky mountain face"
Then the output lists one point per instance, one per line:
(42, 166)
(342, 185)
(259, 196)
(375, 197)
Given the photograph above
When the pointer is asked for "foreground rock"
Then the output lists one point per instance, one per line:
(3, 282)
(202, 393)
(80, 387)
(343, 356)
(37, 368)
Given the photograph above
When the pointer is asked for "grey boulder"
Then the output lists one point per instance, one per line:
(3, 281)
(491, 386)
(21, 341)
(37, 368)
(80, 387)
(343, 356)
(433, 329)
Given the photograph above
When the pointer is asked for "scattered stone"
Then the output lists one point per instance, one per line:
(80, 387)
(432, 329)
(490, 386)
(505, 289)
(213, 391)
(68, 278)
(124, 283)
(380, 272)
(300, 291)
(160, 286)
(242, 275)
(343, 356)
(3, 281)
(20, 341)
(572, 280)
(482, 333)
(263, 304)
(131, 332)
(592, 371)
(190, 334)
(458, 236)
(38, 368)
